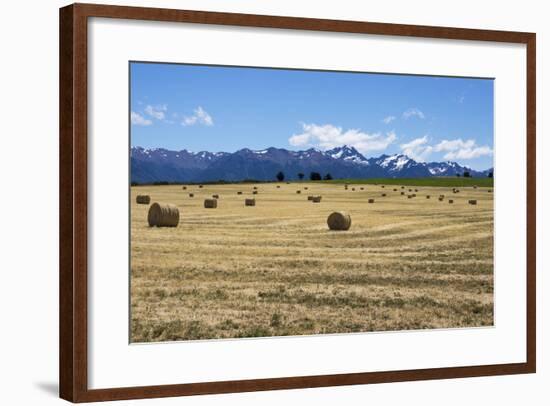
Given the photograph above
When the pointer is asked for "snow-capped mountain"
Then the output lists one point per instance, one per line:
(348, 154)
(154, 165)
(395, 163)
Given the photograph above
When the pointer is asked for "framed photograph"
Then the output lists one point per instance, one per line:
(255, 203)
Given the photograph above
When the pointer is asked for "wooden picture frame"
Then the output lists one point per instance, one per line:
(73, 198)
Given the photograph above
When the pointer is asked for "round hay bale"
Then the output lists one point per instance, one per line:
(383, 195)
(383, 186)
(409, 196)
(371, 200)
(239, 193)
(215, 196)
(402, 187)
(191, 195)
(278, 186)
(143, 199)
(163, 215)
(305, 187)
(250, 202)
(475, 186)
(402, 193)
(472, 201)
(310, 197)
(210, 203)
(451, 201)
(410, 190)
(298, 191)
(414, 194)
(254, 188)
(427, 196)
(339, 220)
(184, 187)
(442, 196)
(416, 190)
(200, 186)
(362, 188)
(490, 191)
(395, 190)
(440, 199)
(255, 192)
(316, 199)
(353, 189)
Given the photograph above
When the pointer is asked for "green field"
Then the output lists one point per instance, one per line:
(434, 182)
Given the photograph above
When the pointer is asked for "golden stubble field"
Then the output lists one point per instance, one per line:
(275, 269)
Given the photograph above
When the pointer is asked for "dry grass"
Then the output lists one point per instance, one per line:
(275, 269)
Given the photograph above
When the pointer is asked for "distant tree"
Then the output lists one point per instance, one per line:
(466, 174)
(328, 176)
(315, 176)
(280, 176)
(490, 175)
(458, 175)
(301, 175)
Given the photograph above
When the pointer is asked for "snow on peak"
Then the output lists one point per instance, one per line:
(438, 170)
(397, 161)
(401, 162)
(346, 153)
(388, 160)
(338, 154)
(394, 162)
(356, 159)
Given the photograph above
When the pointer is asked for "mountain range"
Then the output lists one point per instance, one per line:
(162, 165)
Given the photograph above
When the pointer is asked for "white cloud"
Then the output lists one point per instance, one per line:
(157, 112)
(138, 119)
(200, 116)
(459, 149)
(453, 145)
(417, 149)
(328, 136)
(469, 153)
(413, 112)
(388, 119)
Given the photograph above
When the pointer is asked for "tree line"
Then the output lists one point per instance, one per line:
(312, 176)
(318, 176)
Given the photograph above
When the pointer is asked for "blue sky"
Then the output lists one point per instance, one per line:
(228, 108)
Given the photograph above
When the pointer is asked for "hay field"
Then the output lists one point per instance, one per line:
(275, 269)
